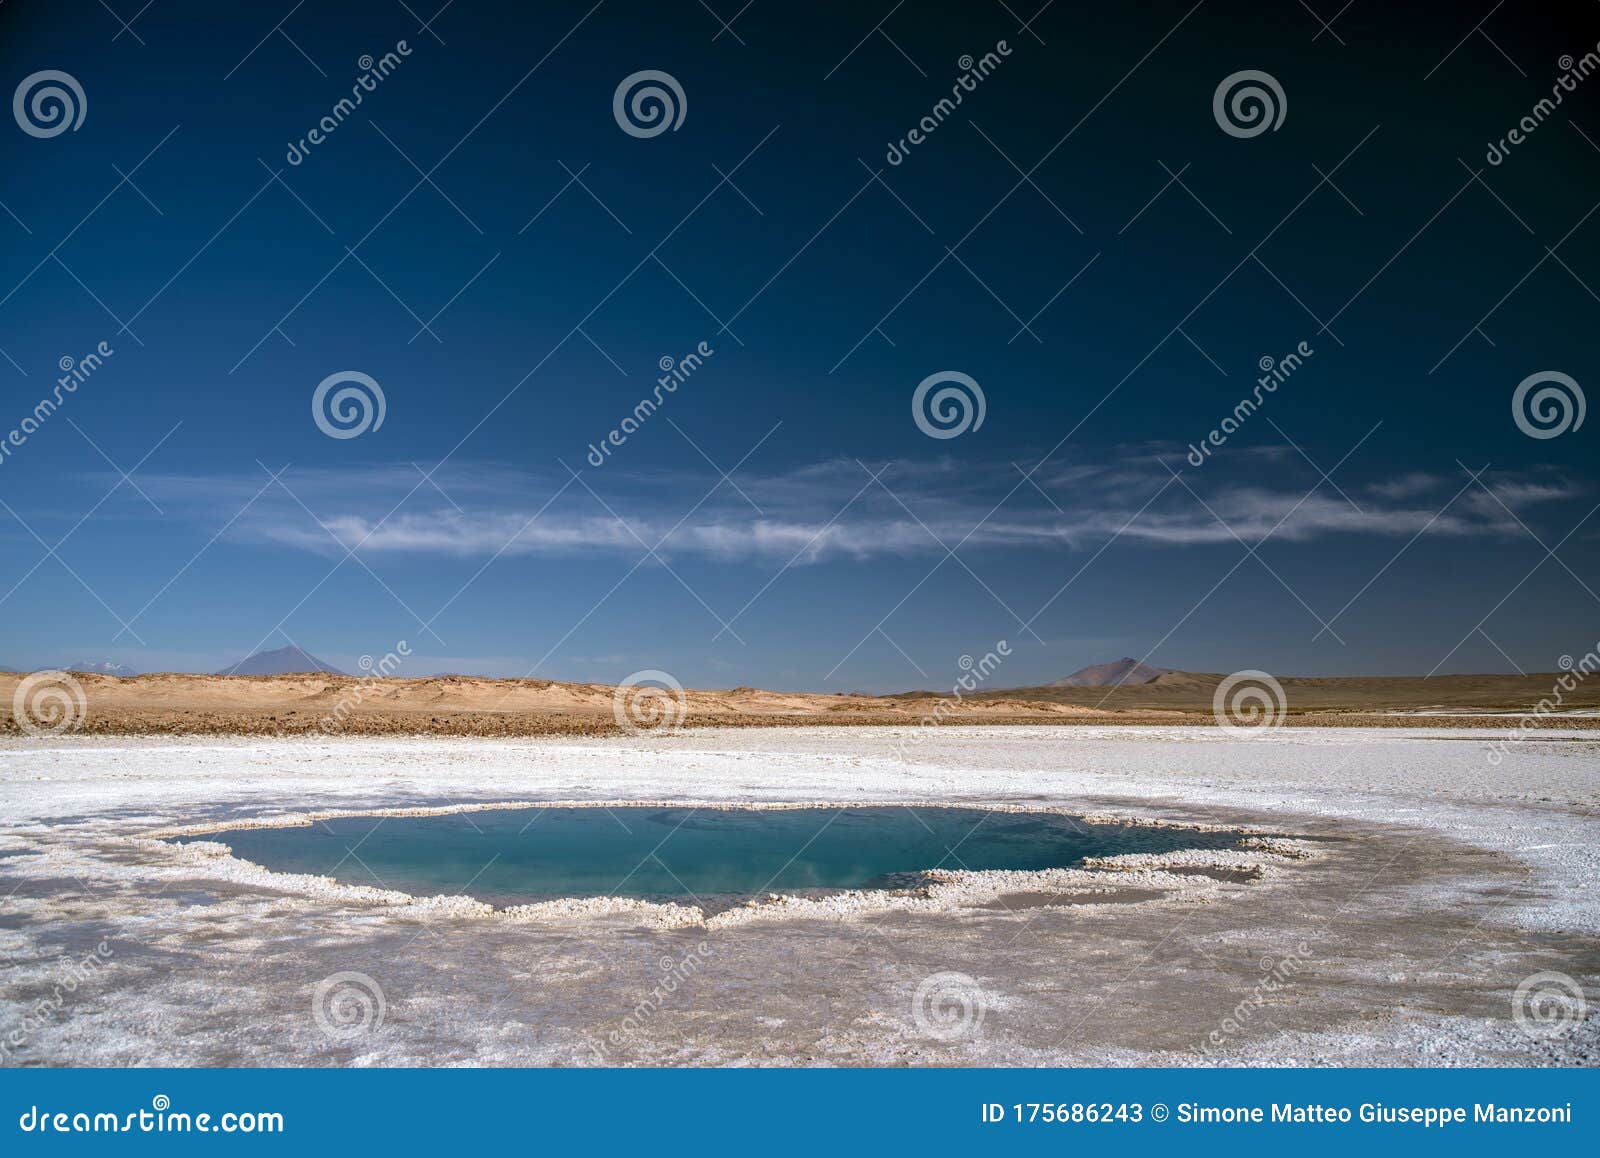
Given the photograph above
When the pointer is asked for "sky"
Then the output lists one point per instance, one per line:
(503, 247)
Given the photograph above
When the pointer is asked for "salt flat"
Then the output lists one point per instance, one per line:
(1441, 883)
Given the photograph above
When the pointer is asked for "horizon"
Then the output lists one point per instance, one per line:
(485, 370)
(369, 667)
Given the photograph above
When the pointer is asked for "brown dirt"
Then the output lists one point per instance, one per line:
(469, 706)
(1192, 692)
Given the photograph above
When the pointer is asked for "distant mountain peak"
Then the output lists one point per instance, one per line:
(94, 666)
(1126, 671)
(280, 661)
(100, 667)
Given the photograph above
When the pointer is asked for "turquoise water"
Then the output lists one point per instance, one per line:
(512, 856)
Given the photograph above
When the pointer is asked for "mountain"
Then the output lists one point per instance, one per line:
(1124, 672)
(100, 667)
(280, 662)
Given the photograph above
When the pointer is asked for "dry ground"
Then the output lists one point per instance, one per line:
(473, 706)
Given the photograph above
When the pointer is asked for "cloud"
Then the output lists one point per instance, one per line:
(1406, 486)
(838, 510)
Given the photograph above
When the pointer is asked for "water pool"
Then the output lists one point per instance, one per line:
(519, 855)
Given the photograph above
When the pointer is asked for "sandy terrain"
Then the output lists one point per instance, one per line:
(450, 705)
(176, 704)
(1192, 692)
(1438, 883)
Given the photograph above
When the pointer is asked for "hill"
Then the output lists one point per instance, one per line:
(1123, 672)
(281, 661)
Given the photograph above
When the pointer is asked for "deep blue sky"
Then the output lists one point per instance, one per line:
(800, 256)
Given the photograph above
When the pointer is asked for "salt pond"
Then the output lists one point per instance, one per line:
(517, 855)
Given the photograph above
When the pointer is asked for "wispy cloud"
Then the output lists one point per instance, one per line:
(835, 509)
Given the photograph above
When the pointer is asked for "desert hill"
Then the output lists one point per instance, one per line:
(281, 661)
(323, 702)
(1125, 671)
(1183, 691)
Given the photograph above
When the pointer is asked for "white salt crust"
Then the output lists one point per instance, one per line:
(219, 969)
